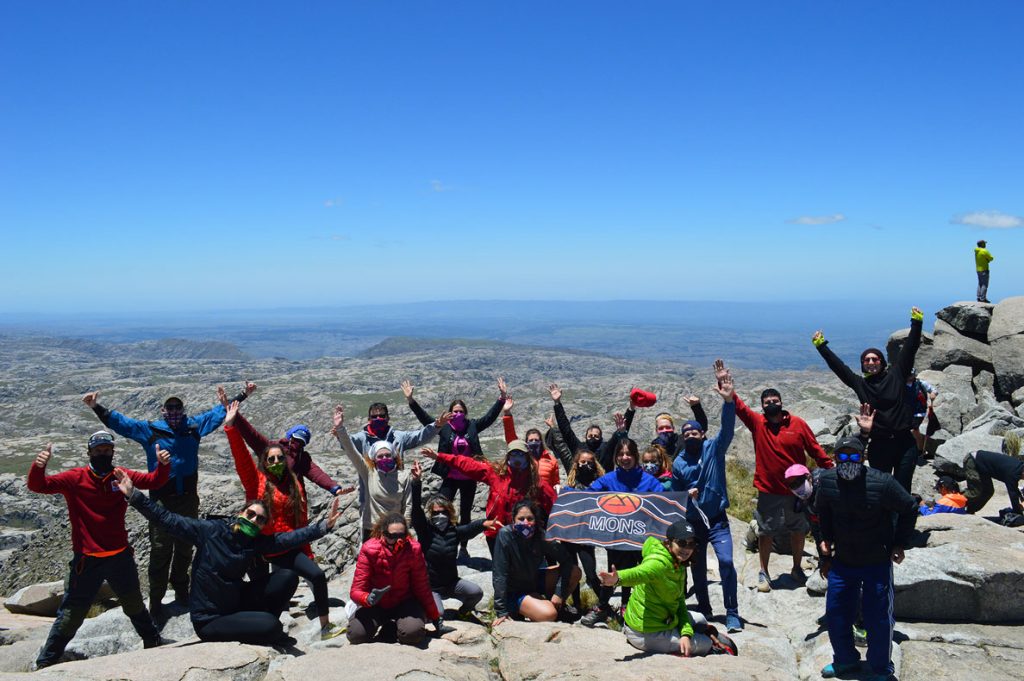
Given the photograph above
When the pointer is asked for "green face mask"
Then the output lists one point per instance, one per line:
(246, 526)
(276, 469)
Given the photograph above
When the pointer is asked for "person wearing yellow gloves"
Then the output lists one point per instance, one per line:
(891, 447)
(981, 260)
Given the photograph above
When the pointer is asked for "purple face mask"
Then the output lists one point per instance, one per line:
(458, 421)
(386, 464)
(379, 427)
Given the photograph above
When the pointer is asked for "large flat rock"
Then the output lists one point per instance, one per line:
(968, 317)
(195, 662)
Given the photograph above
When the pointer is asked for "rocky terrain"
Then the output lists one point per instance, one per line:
(960, 593)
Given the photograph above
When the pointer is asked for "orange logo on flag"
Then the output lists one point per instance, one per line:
(619, 504)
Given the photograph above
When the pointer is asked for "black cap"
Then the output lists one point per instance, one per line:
(947, 482)
(850, 443)
(680, 530)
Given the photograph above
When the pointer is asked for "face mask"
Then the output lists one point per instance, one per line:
(517, 461)
(594, 443)
(667, 440)
(804, 491)
(525, 531)
(440, 522)
(102, 465)
(458, 421)
(385, 465)
(772, 409)
(693, 445)
(246, 526)
(379, 427)
(534, 448)
(174, 418)
(651, 467)
(275, 469)
(849, 470)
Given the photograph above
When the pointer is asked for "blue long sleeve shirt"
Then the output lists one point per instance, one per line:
(706, 470)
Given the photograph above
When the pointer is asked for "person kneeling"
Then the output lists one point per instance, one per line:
(391, 587)
(526, 570)
(657, 620)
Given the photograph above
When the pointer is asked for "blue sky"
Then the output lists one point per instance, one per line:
(193, 155)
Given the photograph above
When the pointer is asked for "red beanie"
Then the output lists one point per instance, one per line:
(642, 398)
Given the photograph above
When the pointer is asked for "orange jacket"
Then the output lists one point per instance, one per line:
(547, 464)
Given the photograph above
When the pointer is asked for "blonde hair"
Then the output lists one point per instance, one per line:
(665, 415)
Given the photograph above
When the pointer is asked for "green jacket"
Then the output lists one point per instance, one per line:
(658, 601)
(982, 258)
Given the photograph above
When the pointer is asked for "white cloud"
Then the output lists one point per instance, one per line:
(438, 186)
(988, 219)
(817, 219)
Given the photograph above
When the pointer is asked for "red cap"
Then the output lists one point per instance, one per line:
(642, 398)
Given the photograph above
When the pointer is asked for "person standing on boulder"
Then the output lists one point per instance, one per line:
(99, 539)
(781, 440)
(892, 447)
(866, 520)
(179, 434)
(981, 260)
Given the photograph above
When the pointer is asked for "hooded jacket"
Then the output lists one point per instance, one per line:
(401, 567)
(223, 556)
(954, 502)
(299, 460)
(658, 600)
(441, 549)
(706, 470)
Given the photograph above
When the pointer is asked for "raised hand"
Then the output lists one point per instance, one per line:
(124, 483)
(416, 471)
(407, 390)
(90, 399)
(339, 419)
(818, 339)
(231, 413)
(724, 386)
(443, 419)
(222, 396)
(916, 314)
(721, 371)
(428, 452)
(163, 456)
(866, 418)
(620, 420)
(692, 400)
(632, 402)
(249, 388)
(506, 408)
(502, 387)
(43, 457)
(610, 578)
(556, 392)
(550, 421)
(333, 514)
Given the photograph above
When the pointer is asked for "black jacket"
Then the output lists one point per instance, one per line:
(223, 556)
(440, 549)
(605, 454)
(864, 518)
(884, 391)
(446, 436)
(516, 564)
(1006, 469)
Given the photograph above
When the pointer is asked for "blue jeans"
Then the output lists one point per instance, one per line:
(719, 537)
(874, 584)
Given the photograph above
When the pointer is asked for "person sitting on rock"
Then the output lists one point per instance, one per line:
(628, 476)
(655, 461)
(382, 474)
(278, 486)
(179, 434)
(699, 471)
(440, 539)
(527, 569)
(951, 500)
(223, 605)
(293, 444)
(99, 540)
(391, 587)
(892, 448)
(460, 436)
(547, 464)
(581, 472)
(981, 468)
(510, 481)
(656, 619)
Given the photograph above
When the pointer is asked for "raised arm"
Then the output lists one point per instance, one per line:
(904, 362)
(699, 415)
(420, 522)
(345, 440)
(156, 478)
(256, 440)
(133, 429)
(181, 527)
(508, 423)
(724, 388)
(41, 483)
(843, 372)
(419, 412)
(562, 419)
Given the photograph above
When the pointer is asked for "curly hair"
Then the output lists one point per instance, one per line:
(661, 454)
(288, 485)
(570, 478)
(380, 527)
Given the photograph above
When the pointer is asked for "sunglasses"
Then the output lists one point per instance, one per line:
(852, 457)
(395, 535)
(688, 544)
(871, 360)
(275, 458)
(252, 515)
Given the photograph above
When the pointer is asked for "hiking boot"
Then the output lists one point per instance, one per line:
(797, 573)
(833, 670)
(598, 615)
(181, 597)
(733, 624)
(154, 642)
(332, 630)
(764, 582)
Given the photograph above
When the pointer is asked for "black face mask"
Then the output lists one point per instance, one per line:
(440, 522)
(693, 445)
(102, 465)
(772, 409)
(849, 470)
(667, 440)
(594, 443)
(585, 471)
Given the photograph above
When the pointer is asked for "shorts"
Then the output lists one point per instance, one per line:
(775, 515)
(516, 599)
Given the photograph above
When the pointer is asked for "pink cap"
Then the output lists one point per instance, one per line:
(797, 470)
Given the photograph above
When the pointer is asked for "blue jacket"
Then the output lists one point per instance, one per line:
(635, 479)
(183, 444)
(706, 471)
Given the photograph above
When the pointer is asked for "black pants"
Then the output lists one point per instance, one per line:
(896, 454)
(168, 554)
(405, 623)
(84, 581)
(258, 619)
(585, 556)
(306, 568)
(621, 560)
(467, 492)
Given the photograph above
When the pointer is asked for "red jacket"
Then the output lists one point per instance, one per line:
(298, 458)
(254, 482)
(547, 464)
(506, 489)
(778, 448)
(401, 567)
(96, 506)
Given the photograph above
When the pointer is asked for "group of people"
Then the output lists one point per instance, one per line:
(856, 503)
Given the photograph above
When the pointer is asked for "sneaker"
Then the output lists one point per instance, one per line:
(568, 614)
(833, 670)
(154, 642)
(764, 582)
(860, 635)
(733, 624)
(596, 616)
(332, 630)
(181, 597)
(797, 573)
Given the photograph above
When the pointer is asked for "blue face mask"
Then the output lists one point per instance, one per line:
(524, 530)
(652, 467)
(517, 461)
